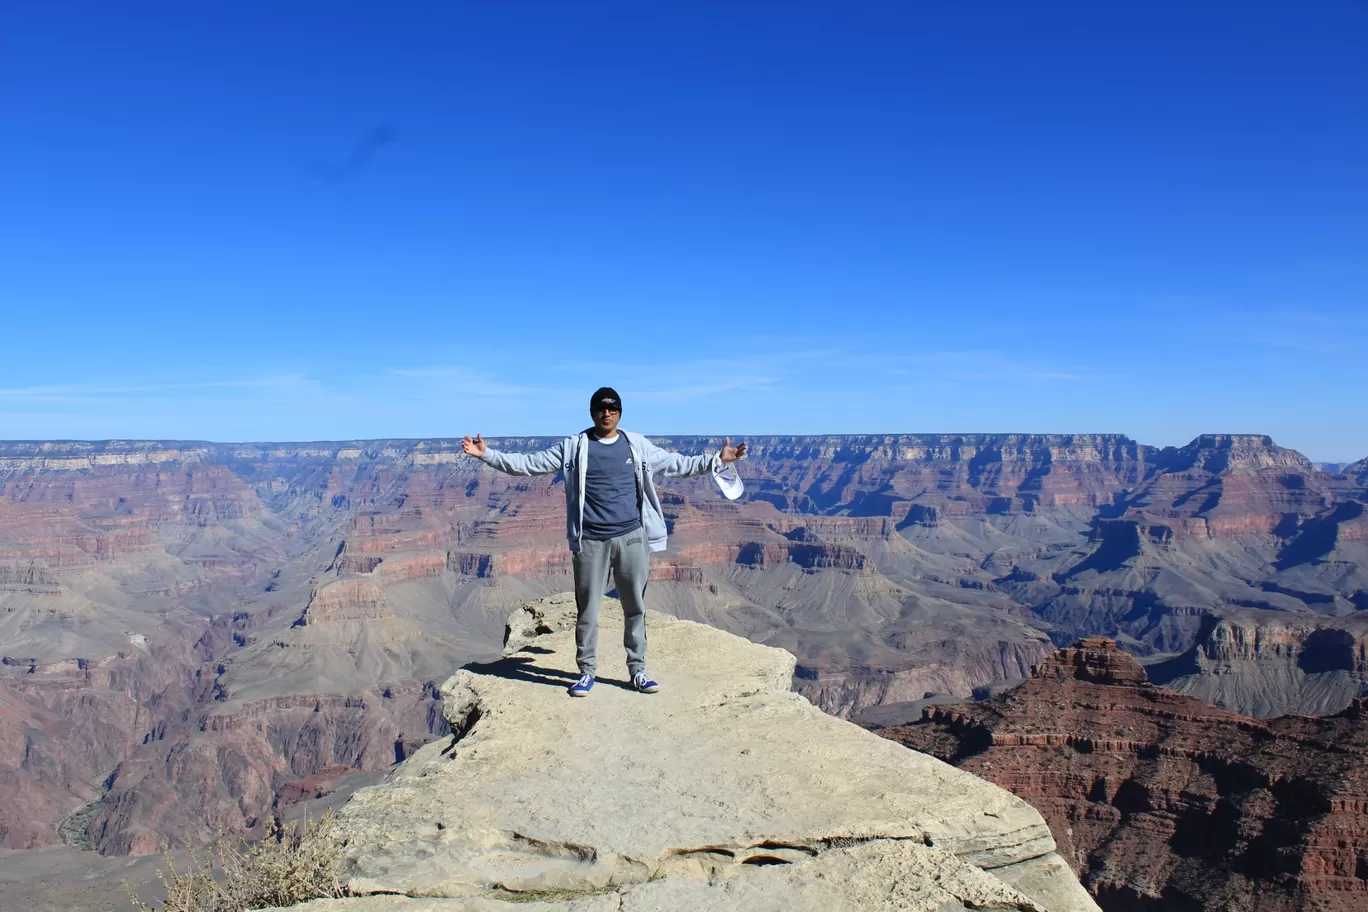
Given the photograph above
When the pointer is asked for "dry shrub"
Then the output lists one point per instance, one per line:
(285, 868)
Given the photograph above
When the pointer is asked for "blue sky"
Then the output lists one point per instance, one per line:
(248, 221)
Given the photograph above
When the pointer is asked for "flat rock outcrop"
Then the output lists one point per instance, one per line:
(724, 791)
(1093, 659)
(347, 600)
(1164, 802)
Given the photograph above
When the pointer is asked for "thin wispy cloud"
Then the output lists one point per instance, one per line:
(1306, 331)
(466, 382)
(977, 366)
(77, 392)
(682, 380)
(511, 386)
(779, 384)
(786, 365)
(1145, 299)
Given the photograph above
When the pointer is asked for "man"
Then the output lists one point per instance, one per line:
(612, 516)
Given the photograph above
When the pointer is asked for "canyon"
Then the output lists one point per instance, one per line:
(1161, 801)
(196, 635)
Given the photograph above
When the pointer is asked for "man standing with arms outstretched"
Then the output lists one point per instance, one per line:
(613, 517)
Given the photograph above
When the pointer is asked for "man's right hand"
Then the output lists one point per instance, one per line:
(474, 447)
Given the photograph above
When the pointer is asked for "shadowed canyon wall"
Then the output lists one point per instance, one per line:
(1161, 801)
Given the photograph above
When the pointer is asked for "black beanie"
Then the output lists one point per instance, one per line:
(605, 396)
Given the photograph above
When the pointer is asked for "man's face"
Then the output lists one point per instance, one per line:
(605, 419)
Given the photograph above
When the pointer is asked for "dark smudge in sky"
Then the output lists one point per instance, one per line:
(367, 147)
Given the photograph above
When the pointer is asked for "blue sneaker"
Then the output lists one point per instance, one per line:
(582, 687)
(643, 683)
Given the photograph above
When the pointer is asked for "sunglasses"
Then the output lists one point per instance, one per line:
(605, 406)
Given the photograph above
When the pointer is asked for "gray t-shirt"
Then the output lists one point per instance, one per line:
(610, 491)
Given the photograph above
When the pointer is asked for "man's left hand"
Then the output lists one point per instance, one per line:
(732, 453)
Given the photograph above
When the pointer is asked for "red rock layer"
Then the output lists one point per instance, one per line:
(65, 725)
(178, 790)
(1092, 659)
(347, 600)
(1163, 802)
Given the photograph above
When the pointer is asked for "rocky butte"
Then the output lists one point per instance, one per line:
(194, 635)
(725, 791)
(1164, 802)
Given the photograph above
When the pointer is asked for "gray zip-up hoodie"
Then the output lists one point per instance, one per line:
(571, 456)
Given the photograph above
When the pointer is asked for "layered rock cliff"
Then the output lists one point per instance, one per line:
(893, 566)
(1161, 801)
(1357, 470)
(66, 725)
(722, 791)
(1272, 663)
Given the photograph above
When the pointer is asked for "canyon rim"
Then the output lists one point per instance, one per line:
(197, 636)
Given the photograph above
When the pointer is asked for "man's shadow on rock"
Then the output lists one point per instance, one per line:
(522, 667)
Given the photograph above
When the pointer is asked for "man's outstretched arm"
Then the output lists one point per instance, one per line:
(543, 462)
(677, 465)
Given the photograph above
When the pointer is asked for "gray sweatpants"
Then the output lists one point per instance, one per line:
(629, 559)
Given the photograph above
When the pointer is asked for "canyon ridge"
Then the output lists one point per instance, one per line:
(195, 636)
(1162, 801)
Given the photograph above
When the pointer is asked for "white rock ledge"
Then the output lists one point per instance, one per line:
(724, 791)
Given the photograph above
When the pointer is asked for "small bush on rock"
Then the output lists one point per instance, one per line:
(285, 868)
